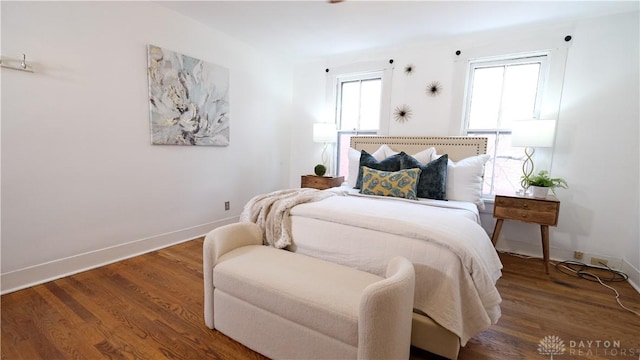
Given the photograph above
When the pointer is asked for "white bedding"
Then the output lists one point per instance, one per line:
(455, 262)
(462, 208)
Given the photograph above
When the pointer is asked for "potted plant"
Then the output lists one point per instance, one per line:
(542, 182)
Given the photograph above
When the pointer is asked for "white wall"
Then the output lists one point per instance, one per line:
(597, 149)
(309, 83)
(310, 96)
(598, 142)
(81, 184)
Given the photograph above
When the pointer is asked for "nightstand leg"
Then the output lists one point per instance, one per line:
(496, 231)
(544, 229)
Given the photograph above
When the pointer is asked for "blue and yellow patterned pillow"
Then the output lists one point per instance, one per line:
(400, 184)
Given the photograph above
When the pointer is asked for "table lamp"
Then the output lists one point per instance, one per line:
(531, 134)
(324, 133)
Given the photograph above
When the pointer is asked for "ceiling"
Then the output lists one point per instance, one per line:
(316, 28)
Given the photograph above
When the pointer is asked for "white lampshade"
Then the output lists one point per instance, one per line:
(533, 133)
(324, 133)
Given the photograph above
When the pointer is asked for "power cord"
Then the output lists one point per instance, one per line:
(571, 266)
(577, 268)
(581, 270)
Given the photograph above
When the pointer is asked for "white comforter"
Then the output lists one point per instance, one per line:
(455, 262)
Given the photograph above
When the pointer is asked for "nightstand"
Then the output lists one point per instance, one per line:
(541, 211)
(320, 182)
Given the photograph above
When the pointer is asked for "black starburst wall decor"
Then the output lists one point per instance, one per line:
(402, 113)
(434, 88)
(409, 69)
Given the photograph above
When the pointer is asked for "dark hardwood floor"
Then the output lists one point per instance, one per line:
(151, 306)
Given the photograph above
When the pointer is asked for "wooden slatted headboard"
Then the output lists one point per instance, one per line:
(457, 147)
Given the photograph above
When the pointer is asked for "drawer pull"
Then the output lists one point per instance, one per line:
(524, 215)
(524, 205)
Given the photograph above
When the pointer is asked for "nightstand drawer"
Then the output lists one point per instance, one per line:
(526, 204)
(547, 218)
(320, 182)
(528, 210)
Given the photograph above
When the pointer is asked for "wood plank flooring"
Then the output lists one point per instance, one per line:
(151, 307)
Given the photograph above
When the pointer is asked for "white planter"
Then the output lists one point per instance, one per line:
(539, 191)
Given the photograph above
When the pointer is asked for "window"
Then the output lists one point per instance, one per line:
(358, 104)
(498, 93)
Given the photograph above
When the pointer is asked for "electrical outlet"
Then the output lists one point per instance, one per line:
(578, 255)
(598, 261)
(227, 205)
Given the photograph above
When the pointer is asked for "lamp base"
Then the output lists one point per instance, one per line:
(324, 157)
(527, 167)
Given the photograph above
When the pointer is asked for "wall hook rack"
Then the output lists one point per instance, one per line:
(16, 64)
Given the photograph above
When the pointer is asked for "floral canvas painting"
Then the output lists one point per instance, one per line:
(188, 100)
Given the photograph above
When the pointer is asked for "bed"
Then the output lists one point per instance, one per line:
(455, 262)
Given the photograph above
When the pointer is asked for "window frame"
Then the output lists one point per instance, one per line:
(543, 58)
(337, 99)
(360, 77)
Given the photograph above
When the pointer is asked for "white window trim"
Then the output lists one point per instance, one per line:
(355, 70)
(542, 57)
(516, 59)
(357, 77)
(551, 41)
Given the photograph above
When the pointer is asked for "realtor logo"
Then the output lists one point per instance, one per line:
(551, 345)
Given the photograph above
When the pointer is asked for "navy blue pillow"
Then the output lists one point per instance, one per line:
(392, 163)
(433, 177)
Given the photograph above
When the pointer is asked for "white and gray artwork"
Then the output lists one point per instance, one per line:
(188, 100)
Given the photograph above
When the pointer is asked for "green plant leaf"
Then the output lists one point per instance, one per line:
(543, 179)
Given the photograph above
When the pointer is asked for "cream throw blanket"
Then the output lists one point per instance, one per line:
(271, 212)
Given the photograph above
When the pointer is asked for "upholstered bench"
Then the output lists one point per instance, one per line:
(291, 306)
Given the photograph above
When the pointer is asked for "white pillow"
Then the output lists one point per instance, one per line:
(425, 156)
(386, 150)
(464, 179)
(383, 152)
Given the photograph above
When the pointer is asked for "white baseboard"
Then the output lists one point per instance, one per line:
(634, 275)
(42, 273)
(555, 254)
